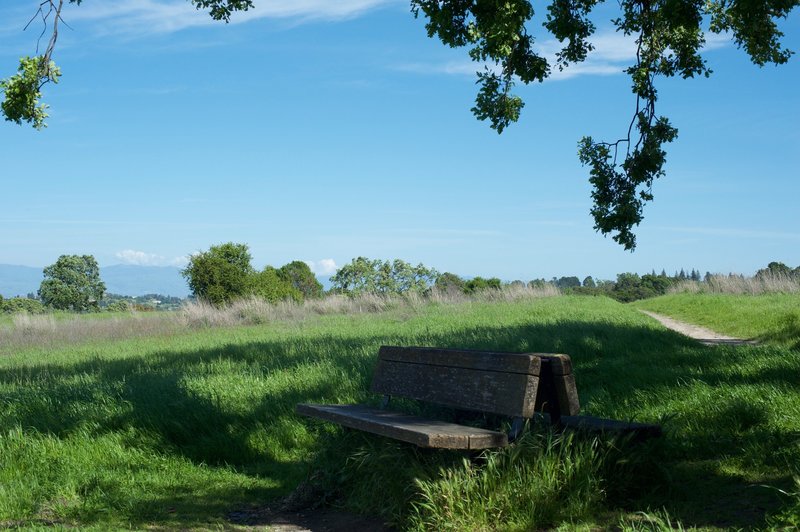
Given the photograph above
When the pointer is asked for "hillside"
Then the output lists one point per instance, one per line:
(120, 279)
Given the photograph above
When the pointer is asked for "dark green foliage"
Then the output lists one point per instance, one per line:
(449, 283)
(221, 274)
(567, 282)
(223, 9)
(302, 279)
(363, 275)
(72, 283)
(16, 305)
(479, 284)
(537, 283)
(620, 191)
(778, 269)
(628, 286)
(631, 287)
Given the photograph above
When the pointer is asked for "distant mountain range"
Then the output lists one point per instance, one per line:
(122, 279)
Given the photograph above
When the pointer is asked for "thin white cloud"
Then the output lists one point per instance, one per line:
(613, 53)
(142, 258)
(323, 266)
(178, 261)
(139, 258)
(147, 17)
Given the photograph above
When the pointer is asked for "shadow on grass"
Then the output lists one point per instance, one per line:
(614, 366)
(787, 333)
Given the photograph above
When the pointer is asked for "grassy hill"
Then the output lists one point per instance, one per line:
(180, 428)
(767, 317)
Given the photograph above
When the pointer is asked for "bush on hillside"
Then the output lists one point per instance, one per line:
(270, 285)
(16, 305)
(302, 279)
(479, 284)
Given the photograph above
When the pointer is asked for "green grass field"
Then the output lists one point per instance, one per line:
(773, 318)
(178, 430)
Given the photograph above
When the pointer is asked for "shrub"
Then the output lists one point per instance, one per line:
(449, 283)
(479, 284)
(221, 274)
(270, 285)
(17, 305)
(302, 279)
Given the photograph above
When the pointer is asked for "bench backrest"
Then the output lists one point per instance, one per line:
(485, 381)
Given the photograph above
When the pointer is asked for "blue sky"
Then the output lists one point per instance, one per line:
(322, 131)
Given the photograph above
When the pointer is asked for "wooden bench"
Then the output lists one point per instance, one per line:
(517, 385)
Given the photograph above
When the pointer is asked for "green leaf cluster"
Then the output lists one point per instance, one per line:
(23, 91)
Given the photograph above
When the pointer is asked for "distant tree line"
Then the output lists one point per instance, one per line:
(225, 273)
(143, 303)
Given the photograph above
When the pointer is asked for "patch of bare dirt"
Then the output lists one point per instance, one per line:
(313, 519)
(304, 510)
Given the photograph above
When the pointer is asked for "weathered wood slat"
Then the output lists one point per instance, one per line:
(526, 363)
(509, 394)
(412, 429)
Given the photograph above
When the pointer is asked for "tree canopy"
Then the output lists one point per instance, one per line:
(669, 37)
(221, 274)
(363, 275)
(72, 283)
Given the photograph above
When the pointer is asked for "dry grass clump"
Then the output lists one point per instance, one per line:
(254, 310)
(738, 284)
(45, 330)
(48, 330)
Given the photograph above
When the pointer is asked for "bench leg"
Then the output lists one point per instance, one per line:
(516, 429)
(385, 401)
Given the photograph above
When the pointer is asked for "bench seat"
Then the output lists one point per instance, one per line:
(412, 429)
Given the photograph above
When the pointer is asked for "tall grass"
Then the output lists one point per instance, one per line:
(543, 480)
(47, 330)
(770, 283)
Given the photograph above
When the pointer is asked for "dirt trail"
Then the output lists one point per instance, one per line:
(701, 334)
